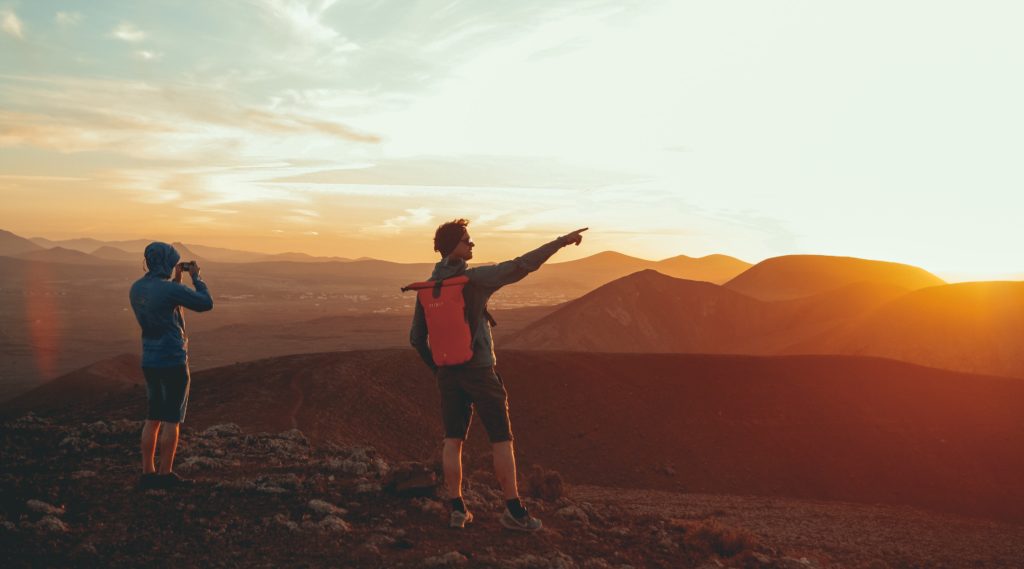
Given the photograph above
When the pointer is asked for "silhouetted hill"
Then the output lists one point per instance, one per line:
(11, 244)
(976, 327)
(114, 254)
(62, 255)
(818, 427)
(84, 387)
(648, 312)
(795, 276)
(591, 272)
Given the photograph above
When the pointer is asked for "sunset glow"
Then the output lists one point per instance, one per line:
(876, 130)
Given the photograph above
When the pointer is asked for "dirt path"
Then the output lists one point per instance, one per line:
(856, 535)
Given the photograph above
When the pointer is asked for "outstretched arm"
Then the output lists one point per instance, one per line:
(198, 299)
(508, 272)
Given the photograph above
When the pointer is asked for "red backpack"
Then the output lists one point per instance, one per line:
(451, 342)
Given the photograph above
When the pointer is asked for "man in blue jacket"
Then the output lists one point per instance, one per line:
(157, 299)
(475, 385)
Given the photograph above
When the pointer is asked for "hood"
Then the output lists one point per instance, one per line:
(160, 259)
(443, 269)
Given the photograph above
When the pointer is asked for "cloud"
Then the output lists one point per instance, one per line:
(68, 19)
(413, 217)
(10, 23)
(126, 31)
(146, 55)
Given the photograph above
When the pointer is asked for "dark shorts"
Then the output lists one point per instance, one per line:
(167, 390)
(464, 389)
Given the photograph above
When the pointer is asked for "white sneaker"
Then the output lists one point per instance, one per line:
(526, 523)
(460, 519)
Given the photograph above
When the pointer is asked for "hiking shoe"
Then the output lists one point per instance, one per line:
(525, 523)
(172, 480)
(149, 481)
(460, 519)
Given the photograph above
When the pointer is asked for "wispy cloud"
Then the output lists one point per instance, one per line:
(126, 31)
(10, 24)
(68, 19)
(147, 55)
(412, 217)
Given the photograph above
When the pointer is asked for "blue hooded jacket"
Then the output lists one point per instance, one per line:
(156, 301)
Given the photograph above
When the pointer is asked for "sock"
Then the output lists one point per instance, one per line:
(515, 505)
(459, 505)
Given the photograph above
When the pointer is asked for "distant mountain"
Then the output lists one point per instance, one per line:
(648, 312)
(303, 258)
(818, 427)
(651, 312)
(115, 254)
(11, 244)
(186, 253)
(795, 276)
(609, 265)
(976, 327)
(62, 255)
(88, 245)
(971, 327)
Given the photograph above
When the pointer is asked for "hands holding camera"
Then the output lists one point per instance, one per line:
(191, 266)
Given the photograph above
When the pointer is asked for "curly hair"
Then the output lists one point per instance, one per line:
(448, 235)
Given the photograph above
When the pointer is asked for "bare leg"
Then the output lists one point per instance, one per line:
(505, 468)
(451, 459)
(168, 446)
(150, 430)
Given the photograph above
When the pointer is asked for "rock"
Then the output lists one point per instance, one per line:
(367, 488)
(40, 507)
(412, 479)
(450, 559)
(194, 463)
(596, 563)
(223, 430)
(8, 526)
(80, 474)
(670, 471)
(51, 524)
(573, 514)
(542, 484)
(283, 520)
(322, 507)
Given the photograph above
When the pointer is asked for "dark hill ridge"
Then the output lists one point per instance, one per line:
(971, 327)
(817, 427)
(964, 326)
(794, 276)
(62, 255)
(11, 244)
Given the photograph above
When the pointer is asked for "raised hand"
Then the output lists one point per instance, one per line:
(576, 237)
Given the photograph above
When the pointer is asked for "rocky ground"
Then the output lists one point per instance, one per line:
(272, 500)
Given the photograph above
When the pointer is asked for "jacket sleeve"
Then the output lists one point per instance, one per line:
(198, 299)
(508, 272)
(418, 337)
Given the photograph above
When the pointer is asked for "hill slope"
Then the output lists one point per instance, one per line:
(795, 276)
(818, 427)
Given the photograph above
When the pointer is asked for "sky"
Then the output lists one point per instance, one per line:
(881, 130)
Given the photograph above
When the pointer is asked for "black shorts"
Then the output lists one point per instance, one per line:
(167, 390)
(464, 389)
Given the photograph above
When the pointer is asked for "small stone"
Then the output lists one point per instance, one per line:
(80, 474)
(573, 514)
(51, 524)
(334, 524)
(40, 507)
(322, 507)
(450, 559)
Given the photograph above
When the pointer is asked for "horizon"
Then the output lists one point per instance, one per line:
(949, 277)
(354, 129)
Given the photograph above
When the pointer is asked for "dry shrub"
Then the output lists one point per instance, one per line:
(709, 537)
(544, 484)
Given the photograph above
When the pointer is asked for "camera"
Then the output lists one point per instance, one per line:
(187, 267)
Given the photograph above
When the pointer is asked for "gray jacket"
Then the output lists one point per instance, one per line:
(483, 282)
